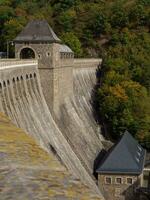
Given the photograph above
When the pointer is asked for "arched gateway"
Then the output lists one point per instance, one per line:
(27, 53)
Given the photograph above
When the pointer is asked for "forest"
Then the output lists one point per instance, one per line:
(117, 31)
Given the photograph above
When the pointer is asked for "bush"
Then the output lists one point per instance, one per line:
(73, 42)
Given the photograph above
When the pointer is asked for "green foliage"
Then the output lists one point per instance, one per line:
(73, 42)
(12, 28)
(125, 105)
(6, 12)
(124, 98)
(99, 24)
(62, 5)
(119, 19)
(66, 20)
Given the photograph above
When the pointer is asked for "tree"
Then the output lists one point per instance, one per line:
(12, 28)
(125, 106)
(66, 20)
(73, 42)
(6, 13)
(119, 16)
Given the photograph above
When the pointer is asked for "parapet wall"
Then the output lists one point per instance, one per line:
(15, 70)
(5, 63)
(88, 62)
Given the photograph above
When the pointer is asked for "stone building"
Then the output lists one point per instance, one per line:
(55, 60)
(120, 172)
(146, 173)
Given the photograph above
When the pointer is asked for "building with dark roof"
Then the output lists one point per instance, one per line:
(38, 41)
(121, 169)
(37, 31)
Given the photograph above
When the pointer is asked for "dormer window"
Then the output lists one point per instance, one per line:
(129, 181)
(139, 154)
(140, 149)
(108, 180)
(137, 159)
(118, 180)
(48, 54)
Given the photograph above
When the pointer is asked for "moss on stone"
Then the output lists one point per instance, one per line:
(28, 171)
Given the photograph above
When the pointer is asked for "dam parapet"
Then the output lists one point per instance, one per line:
(8, 63)
(87, 62)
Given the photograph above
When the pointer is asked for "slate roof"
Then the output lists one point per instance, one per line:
(64, 48)
(126, 157)
(37, 31)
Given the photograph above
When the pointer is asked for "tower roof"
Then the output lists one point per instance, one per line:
(126, 157)
(37, 31)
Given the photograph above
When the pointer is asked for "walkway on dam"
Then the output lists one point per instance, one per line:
(28, 172)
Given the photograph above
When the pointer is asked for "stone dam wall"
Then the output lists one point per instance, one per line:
(76, 120)
(73, 136)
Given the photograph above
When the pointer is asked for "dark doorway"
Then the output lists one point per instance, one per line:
(27, 53)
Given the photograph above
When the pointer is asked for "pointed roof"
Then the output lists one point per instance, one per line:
(126, 157)
(37, 31)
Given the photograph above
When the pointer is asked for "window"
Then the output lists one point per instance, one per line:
(137, 159)
(108, 180)
(139, 154)
(48, 54)
(140, 149)
(118, 180)
(129, 181)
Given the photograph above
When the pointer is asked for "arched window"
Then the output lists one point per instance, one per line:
(13, 80)
(8, 83)
(4, 84)
(39, 56)
(27, 53)
(48, 54)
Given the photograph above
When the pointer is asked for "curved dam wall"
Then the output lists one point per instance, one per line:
(21, 98)
(76, 120)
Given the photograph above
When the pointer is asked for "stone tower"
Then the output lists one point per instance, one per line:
(55, 60)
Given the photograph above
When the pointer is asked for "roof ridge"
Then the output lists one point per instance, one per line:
(131, 154)
(52, 32)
